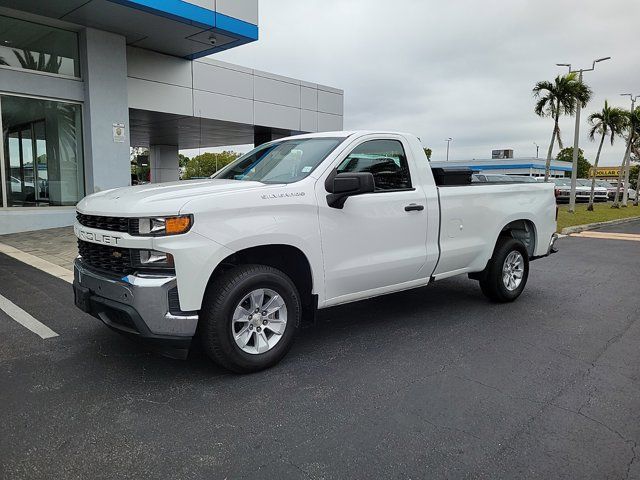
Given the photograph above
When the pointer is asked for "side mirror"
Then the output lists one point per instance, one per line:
(344, 185)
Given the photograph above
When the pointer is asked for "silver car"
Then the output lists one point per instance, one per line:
(600, 194)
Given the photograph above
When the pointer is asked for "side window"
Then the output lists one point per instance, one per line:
(385, 159)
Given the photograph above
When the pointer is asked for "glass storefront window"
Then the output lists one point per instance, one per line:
(32, 46)
(43, 163)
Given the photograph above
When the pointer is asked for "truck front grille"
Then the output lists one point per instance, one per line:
(114, 260)
(112, 224)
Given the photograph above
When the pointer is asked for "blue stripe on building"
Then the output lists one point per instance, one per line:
(179, 10)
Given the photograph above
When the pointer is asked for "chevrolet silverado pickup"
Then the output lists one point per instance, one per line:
(295, 225)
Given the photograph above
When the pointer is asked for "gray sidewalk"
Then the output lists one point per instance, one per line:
(55, 245)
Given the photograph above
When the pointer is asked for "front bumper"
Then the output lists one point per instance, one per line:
(139, 306)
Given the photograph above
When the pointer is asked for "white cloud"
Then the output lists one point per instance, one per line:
(461, 68)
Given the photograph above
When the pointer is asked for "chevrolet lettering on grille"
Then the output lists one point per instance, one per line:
(97, 237)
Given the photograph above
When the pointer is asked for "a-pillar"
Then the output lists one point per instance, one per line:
(164, 164)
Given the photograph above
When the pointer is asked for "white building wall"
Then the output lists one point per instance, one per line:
(246, 10)
(105, 80)
(209, 88)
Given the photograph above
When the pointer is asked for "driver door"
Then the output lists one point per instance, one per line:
(377, 241)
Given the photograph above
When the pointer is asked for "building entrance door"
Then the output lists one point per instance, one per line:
(26, 158)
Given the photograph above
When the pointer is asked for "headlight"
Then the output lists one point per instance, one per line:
(161, 226)
(153, 259)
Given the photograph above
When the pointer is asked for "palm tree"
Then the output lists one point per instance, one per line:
(636, 152)
(633, 131)
(41, 64)
(557, 98)
(610, 121)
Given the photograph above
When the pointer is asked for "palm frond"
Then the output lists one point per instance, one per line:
(594, 130)
(542, 108)
(542, 87)
(29, 62)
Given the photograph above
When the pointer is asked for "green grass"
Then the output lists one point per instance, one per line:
(602, 212)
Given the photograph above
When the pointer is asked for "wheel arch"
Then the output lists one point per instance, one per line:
(287, 258)
(524, 230)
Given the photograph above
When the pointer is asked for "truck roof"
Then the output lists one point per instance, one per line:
(348, 133)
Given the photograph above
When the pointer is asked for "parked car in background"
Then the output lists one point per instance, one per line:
(563, 191)
(600, 194)
(611, 189)
(583, 190)
(631, 193)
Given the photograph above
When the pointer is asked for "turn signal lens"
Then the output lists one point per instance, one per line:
(161, 226)
(177, 225)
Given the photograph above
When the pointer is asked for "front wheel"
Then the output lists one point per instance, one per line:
(506, 274)
(249, 318)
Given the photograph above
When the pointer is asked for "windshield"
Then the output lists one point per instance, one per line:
(604, 183)
(561, 182)
(584, 182)
(286, 161)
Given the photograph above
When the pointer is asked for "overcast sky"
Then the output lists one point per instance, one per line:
(459, 68)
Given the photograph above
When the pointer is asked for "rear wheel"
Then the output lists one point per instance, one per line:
(249, 318)
(507, 272)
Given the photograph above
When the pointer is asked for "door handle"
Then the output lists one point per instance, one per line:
(413, 207)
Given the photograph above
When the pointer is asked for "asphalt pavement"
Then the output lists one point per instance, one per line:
(431, 383)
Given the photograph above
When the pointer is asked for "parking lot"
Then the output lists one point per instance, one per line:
(431, 383)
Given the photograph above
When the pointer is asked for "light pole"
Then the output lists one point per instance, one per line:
(576, 135)
(537, 148)
(448, 140)
(625, 161)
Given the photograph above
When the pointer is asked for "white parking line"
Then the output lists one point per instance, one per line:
(24, 319)
(37, 262)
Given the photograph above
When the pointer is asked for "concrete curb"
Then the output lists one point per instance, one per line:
(589, 226)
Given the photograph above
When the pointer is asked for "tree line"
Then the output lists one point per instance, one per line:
(205, 164)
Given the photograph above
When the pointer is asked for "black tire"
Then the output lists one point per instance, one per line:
(220, 301)
(491, 279)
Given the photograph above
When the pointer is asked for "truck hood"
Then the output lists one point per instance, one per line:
(158, 198)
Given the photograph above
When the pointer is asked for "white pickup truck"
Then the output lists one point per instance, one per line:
(295, 225)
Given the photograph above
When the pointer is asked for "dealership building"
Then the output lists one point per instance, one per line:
(82, 81)
(502, 161)
(530, 167)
